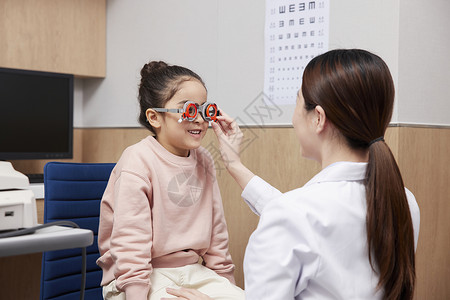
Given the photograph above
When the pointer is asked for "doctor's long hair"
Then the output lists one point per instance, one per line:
(356, 91)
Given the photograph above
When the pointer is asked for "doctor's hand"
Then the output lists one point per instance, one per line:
(186, 294)
(229, 136)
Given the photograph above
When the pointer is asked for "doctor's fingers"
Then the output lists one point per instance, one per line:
(228, 140)
(228, 124)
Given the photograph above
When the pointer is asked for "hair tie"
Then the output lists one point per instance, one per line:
(381, 138)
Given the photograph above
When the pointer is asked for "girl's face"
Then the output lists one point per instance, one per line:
(179, 138)
(303, 122)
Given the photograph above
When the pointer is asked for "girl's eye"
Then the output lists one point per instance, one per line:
(191, 110)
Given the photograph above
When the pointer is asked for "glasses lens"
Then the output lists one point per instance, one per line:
(211, 110)
(191, 110)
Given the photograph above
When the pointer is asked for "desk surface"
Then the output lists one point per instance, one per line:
(46, 239)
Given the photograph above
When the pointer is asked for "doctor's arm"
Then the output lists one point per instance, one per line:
(256, 192)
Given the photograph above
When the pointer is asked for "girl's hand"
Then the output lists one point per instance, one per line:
(229, 136)
(186, 294)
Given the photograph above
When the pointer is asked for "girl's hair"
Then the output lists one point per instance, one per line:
(159, 82)
(356, 91)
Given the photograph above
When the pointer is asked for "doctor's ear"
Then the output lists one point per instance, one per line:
(153, 118)
(320, 119)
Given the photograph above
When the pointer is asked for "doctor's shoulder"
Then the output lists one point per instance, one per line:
(306, 204)
(304, 196)
(300, 202)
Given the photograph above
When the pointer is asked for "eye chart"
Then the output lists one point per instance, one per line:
(295, 32)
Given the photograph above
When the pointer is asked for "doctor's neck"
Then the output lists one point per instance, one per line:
(337, 150)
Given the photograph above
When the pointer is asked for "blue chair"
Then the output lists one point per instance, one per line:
(73, 192)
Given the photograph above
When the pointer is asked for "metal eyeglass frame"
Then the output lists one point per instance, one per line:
(190, 110)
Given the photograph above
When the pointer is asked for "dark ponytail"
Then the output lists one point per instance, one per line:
(356, 91)
(159, 82)
(389, 225)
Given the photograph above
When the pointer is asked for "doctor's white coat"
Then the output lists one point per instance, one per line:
(311, 242)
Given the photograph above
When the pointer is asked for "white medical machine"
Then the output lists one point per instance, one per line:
(17, 201)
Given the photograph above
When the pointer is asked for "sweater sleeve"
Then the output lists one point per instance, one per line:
(258, 193)
(217, 257)
(131, 238)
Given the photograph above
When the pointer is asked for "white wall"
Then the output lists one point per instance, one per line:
(223, 42)
(78, 102)
(368, 24)
(424, 62)
(178, 32)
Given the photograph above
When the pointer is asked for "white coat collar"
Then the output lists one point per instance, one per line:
(341, 171)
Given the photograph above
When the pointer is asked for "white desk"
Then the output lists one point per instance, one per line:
(46, 239)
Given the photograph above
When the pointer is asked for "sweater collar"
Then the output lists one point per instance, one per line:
(167, 155)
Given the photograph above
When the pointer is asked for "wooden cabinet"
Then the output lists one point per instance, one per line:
(66, 36)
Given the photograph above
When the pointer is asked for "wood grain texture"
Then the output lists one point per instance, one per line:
(425, 164)
(391, 138)
(54, 36)
(20, 276)
(40, 210)
(107, 144)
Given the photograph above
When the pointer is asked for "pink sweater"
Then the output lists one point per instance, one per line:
(160, 210)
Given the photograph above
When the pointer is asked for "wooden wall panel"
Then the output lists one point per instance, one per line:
(425, 164)
(20, 276)
(107, 144)
(55, 36)
(391, 138)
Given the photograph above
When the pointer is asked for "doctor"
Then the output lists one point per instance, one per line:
(352, 230)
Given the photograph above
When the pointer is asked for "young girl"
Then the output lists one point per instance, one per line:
(162, 212)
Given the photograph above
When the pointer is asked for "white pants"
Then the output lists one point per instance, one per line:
(193, 276)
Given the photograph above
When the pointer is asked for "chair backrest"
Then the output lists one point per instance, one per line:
(73, 192)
